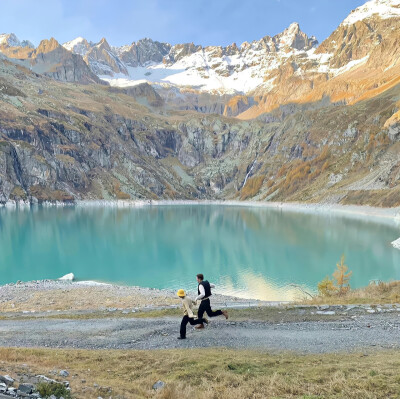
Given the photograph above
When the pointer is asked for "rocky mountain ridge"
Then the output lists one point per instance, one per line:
(243, 81)
(230, 69)
(213, 69)
(322, 126)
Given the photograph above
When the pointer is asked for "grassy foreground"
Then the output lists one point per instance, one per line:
(214, 373)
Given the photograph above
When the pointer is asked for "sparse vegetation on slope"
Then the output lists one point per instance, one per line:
(378, 292)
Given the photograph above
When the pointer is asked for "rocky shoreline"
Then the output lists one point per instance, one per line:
(350, 210)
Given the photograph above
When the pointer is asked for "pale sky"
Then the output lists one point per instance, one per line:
(211, 22)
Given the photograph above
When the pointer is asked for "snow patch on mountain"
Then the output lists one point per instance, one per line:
(122, 81)
(238, 82)
(350, 65)
(205, 72)
(383, 8)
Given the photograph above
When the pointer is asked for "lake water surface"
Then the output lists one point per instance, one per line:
(248, 252)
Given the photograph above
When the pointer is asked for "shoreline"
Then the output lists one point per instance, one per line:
(58, 295)
(344, 210)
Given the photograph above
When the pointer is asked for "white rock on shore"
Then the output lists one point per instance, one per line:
(396, 243)
(68, 277)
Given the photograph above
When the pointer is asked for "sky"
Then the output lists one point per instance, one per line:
(205, 22)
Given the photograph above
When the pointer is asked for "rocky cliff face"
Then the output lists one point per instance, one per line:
(76, 147)
(143, 52)
(103, 61)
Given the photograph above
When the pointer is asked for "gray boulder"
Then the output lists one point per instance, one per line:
(6, 379)
(64, 373)
(25, 389)
(159, 385)
(394, 132)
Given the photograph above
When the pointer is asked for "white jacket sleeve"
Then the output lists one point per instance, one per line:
(202, 293)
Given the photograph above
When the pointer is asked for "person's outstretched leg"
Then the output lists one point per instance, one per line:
(215, 313)
(195, 322)
(200, 314)
(184, 322)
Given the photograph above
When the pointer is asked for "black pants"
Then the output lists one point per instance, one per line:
(192, 321)
(205, 307)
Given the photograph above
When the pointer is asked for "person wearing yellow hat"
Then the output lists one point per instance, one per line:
(188, 315)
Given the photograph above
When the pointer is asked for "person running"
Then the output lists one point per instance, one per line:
(204, 293)
(188, 316)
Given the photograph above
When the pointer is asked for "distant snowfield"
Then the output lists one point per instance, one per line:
(200, 71)
(193, 72)
(190, 73)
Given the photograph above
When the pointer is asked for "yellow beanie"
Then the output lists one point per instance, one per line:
(181, 293)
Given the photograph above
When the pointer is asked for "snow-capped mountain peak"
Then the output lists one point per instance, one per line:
(383, 8)
(293, 37)
(11, 40)
(79, 46)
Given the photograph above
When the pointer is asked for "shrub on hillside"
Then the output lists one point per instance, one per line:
(339, 284)
(342, 277)
(47, 389)
(326, 287)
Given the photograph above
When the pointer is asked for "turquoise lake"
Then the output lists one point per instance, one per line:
(248, 252)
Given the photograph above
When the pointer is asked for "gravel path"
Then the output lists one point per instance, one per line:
(361, 333)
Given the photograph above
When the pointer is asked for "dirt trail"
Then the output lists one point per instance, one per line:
(354, 334)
